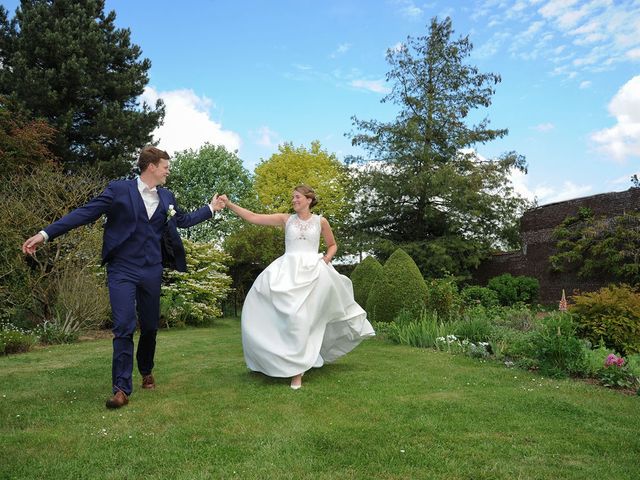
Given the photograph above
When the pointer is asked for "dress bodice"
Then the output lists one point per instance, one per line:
(302, 236)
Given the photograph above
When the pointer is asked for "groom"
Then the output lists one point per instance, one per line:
(139, 235)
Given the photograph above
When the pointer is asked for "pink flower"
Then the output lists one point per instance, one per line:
(611, 360)
(620, 361)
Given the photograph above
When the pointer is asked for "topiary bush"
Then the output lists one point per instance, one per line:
(400, 286)
(476, 295)
(611, 314)
(363, 277)
(512, 290)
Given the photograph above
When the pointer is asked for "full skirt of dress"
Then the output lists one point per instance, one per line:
(299, 314)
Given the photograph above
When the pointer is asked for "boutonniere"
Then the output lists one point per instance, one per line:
(170, 212)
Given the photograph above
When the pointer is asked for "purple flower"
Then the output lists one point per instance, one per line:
(611, 360)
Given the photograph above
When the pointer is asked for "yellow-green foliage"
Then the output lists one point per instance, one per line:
(363, 277)
(194, 297)
(277, 177)
(401, 286)
(613, 314)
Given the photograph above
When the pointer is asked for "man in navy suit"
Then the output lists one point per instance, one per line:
(141, 229)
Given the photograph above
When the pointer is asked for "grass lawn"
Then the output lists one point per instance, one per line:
(384, 411)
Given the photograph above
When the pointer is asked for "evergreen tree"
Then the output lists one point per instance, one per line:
(422, 187)
(66, 62)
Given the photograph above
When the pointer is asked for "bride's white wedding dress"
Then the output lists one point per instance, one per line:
(300, 312)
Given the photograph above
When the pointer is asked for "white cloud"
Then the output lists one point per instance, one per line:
(187, 122)
(633, 54)
(544, 127)
(585, 84)
(623, 139)
(567, 191)
(594, 35)
(376, 86)
(341, 50)
(409, 9)
(543, 193)
(265, 137)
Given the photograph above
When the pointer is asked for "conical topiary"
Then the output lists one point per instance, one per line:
(401, 286)
(363, 277)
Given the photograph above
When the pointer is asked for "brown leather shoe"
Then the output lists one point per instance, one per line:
(120, 399)
(148, 381)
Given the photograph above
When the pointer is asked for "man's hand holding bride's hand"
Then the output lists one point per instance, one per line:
(223, 199)
(218, 202)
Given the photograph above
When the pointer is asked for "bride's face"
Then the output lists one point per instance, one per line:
(300, 202)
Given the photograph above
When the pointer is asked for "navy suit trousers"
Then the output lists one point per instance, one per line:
(135, 296)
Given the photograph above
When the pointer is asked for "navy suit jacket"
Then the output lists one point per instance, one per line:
(120, 202)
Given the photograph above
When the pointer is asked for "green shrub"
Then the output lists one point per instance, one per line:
(15, 340)
(515, 346)
(32, 285)
(475, 326)
(512, 290)
(443, 297)
(557, 349)
(363, 277)
(517, 318)
(400, 286)
(53, 333)
(476, 295)
(613, 314)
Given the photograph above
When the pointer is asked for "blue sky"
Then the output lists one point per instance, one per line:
(251, 74)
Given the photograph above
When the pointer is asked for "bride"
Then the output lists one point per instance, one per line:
(300, 312)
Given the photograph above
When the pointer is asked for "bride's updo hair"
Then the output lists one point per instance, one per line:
(309, 193)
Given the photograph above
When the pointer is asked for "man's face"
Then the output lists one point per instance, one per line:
(160, 172)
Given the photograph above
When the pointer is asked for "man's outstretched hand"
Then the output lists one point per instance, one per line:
(218, 202)
(29, 247)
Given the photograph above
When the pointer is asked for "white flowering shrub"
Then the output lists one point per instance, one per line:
(195, 297)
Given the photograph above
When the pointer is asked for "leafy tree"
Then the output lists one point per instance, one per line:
(599, 247)
(276, 178)
(24, 143)
(252, 247)
(196, 175)
(283, 171)
(66, 62)
(422, 186)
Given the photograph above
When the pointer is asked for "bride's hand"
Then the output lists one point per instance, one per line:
(224, 200)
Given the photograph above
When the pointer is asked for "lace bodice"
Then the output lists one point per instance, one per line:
(302, 236)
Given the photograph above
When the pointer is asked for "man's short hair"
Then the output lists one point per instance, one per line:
(149, 155)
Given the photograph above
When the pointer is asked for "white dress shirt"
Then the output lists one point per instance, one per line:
(149, 197)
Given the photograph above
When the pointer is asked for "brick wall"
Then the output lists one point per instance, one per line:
(536, 227)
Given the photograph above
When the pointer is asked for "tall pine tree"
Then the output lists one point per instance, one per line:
(66, 62)
(422, 187)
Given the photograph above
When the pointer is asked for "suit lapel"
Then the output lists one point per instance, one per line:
(164, 200)
(135, 196)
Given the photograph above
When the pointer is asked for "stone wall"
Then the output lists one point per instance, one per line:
(536, 227)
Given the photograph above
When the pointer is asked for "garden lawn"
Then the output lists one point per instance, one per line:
(384, 411)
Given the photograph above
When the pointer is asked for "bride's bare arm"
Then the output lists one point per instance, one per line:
(329, 240)
(274, 219)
